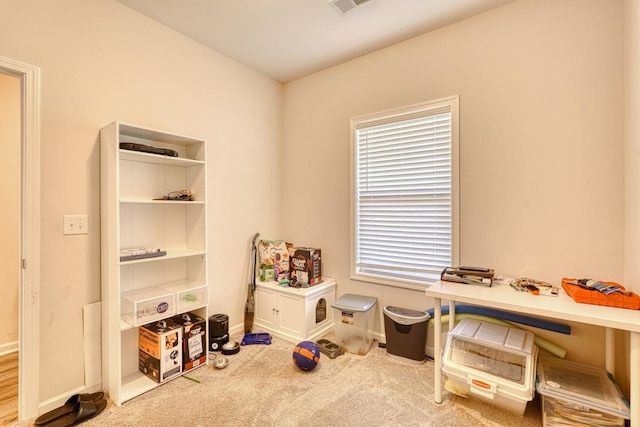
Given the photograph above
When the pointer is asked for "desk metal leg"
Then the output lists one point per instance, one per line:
(634, 359)
(437, 345)
(609, 351)
(452, 315)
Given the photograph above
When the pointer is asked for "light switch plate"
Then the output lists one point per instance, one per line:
(76, 224)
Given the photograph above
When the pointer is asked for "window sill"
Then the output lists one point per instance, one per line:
(403, 284)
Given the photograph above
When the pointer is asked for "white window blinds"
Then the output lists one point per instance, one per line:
(403, 222)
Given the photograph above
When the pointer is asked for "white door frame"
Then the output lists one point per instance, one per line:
(29, 295)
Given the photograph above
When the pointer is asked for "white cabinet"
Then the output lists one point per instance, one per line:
(137, 213)
(295, 314)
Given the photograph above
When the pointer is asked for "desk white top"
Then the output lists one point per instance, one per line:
(562, 307)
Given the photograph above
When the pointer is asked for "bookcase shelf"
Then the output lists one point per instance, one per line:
(131, 218)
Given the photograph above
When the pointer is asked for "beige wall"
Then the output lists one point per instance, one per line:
(541, 153)
(632, 140)
(540, 85)
(10, 212)
(631, 149)
(101, 62)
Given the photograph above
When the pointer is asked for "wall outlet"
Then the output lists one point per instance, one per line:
(76, 224)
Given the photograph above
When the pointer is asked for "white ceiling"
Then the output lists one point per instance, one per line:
(289, 39)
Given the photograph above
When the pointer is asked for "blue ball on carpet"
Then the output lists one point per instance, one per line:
(306, 355)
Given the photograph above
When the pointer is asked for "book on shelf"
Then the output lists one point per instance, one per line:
(468, 275)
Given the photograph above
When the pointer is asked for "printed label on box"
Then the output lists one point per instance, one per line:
(194, 340)
(347, 317)
(194, 346)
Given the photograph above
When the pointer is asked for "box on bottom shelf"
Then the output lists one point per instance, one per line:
(194, 340)
(160, 350)
(493, 363)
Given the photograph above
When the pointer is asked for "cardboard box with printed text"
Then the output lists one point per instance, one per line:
(160, 350)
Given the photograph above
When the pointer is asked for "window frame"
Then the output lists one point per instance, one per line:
(450, 103)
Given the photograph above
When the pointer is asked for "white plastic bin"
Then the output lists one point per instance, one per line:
(490, 362)
(581, 394)
(146, 305)
(189, 295)
(354, 322)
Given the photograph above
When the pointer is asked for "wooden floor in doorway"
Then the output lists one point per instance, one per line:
(9, 388)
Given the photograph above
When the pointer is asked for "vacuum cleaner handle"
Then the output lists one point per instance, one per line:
(254, 253)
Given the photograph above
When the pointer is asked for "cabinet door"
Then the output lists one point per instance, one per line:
(265, 307)
(290, 313)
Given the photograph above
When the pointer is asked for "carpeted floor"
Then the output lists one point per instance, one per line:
(262, 387)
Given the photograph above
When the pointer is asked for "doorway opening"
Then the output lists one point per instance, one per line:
(29, 254)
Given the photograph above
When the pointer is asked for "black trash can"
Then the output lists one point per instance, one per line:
(406, 332)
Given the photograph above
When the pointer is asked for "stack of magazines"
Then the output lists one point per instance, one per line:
(468, 275)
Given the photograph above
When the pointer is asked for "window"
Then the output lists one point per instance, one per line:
(404, 194)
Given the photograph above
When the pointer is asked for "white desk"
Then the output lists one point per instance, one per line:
(561, 307)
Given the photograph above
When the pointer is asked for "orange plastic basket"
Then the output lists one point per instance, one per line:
(589, 296)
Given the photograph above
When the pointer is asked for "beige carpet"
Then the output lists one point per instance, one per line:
(262, 387)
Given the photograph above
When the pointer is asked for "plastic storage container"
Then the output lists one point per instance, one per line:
(406, 333)
(146, 305)
(189, 295)
(577, 394)
(493, 363)
(354, 314)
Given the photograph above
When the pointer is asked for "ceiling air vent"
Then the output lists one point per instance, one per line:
(345, 6)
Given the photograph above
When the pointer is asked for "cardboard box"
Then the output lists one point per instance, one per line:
(194, 340)
(281, 266)
(160, 350)
(306, 267)
(274, 260)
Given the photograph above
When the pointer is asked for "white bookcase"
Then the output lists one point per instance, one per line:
(133, 217)
(295, 314)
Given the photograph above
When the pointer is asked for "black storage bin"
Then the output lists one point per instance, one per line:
(406, 332)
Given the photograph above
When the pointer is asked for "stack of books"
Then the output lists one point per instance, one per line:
(468, 275)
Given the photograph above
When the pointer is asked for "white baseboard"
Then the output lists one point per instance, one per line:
(92, 344)
(9, 347)
(59, 400)
(236, 329)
